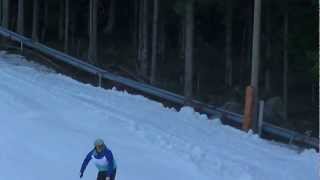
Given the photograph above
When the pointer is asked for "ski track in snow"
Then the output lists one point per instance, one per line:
(49, 122)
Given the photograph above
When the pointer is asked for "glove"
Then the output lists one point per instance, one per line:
(81, 174)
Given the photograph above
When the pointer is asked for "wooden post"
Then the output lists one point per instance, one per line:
(248, 109)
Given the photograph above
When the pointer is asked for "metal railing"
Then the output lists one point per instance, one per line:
(291, 136)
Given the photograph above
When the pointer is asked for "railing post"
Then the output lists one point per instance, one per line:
(99, 80)
(21, 46)
(291, 139)
(260, 122)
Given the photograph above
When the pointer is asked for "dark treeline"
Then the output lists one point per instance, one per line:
(199, 48)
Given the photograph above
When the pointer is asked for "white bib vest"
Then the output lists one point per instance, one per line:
(101, 164)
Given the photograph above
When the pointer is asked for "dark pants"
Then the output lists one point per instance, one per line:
(102, 175)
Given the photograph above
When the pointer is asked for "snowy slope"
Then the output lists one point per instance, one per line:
(49, 121)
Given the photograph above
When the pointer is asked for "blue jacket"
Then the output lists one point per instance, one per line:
(104, 160)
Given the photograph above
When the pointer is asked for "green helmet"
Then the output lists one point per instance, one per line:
(98, 142)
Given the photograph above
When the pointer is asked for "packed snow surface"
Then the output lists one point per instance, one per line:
(49, 122)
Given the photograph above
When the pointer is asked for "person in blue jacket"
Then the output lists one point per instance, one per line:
(102, 157)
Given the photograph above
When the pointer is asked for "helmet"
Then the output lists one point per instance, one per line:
(98, 142)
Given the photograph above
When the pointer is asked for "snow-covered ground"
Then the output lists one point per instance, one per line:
(48, 123)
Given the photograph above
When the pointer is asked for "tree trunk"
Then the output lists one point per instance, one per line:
(35, 20)
(189, 26)
(5, 15)
(162, 40)
(20, 24)
(255, 62)
(1, 3)
(111, 19)
(144, 34)
(154, 41)
(136, 34)
(198, 90)
(61, 19)
(140, 35)
(45, 21)
(267, 79)
(244, 59)
(145, 52)
(93, 32)
(229, 14)
(66, 26)
(135, 26)
(250, 34)
(285, 65)
(72, 25)
(182, 39)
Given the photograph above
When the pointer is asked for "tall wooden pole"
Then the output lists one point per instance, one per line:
(251, 120)
(256, 45)
(256, 61)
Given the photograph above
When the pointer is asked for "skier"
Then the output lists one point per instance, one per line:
(103, 159)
